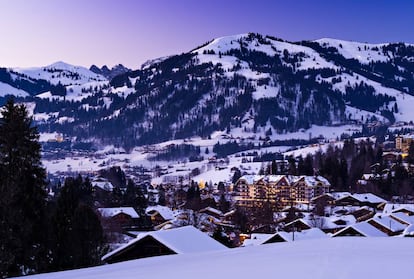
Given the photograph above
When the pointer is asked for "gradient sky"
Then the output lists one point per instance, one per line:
(86, 32)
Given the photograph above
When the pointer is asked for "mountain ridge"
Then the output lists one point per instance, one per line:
(250, 84)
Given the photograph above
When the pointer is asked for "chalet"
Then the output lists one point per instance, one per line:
(325, 199)
(215, 213)
(366, 199)
(360, 229)
(159, 214)
(184, 240)
(260, 239)
(102, 184)
(326, 224)
(116, 219)
(409, 210)
(362, 214)
(119, 216)
(297, 225)
(409, 231)
(387, 225)
(403, 218)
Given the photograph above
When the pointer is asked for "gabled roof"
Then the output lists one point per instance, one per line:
(212, 210)
(388, 223)
(340, 195)
(302, 235)
(113, 211)
(368, 197)
(104, 185)
(164, 211)
(395, 207)
(409, 231)
(403, 218)
(181, 240)
(250, 179)
(364, 229)
(259, 239)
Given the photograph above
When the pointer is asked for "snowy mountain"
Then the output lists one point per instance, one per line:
(61, 72)
(109, 73)
(58, 79)
(247, 85)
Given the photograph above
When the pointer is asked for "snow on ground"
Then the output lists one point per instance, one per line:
(61, 72)
(74, 92)
(210, 171)
(363, 115)
(43, 137)
(311, 58)
(404, 101)
(363, 52)
(341, 257)
(6, 89)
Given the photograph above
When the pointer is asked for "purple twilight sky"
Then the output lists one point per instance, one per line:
(85, 32)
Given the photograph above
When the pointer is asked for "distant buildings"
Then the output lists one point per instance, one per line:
(278, 190)
(403, 142)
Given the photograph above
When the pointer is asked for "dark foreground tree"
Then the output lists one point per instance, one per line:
(79, 238)
(22, 195)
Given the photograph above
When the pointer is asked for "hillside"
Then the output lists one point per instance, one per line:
(356, 257)
(249, 86)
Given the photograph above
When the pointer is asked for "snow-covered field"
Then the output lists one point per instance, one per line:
(342, 257)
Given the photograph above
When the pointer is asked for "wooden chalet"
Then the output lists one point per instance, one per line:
(183, 240)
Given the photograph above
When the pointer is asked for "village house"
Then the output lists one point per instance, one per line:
(183, 240)
(360, 229)
(119, 217)
(159, 214)
(261, 239)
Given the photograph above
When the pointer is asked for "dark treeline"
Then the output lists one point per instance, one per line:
(37, 233)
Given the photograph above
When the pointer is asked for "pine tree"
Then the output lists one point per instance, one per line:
(79, 239)
(23, 196)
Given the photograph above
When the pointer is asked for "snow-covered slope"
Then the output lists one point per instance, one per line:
(250, 85)
(63, 73)
(354, 257)
(363, 52)
(6, 89)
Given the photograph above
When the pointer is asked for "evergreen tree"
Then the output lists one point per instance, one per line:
(79, 240)
(23, 197)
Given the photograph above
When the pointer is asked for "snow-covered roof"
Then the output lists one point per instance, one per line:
(257, 239)
(363, 228)
(340, 195)
(112, 211)
(402, 217)
(389, 223)
(368, 197)
(291, 179)
(394, 207)
(164, 211)
(213, 210)
(250, 179)
(409, 231)
(183, 240)
(261, 238)
(314, 180)
(104, 185)
(303, 235)
(274, 178)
